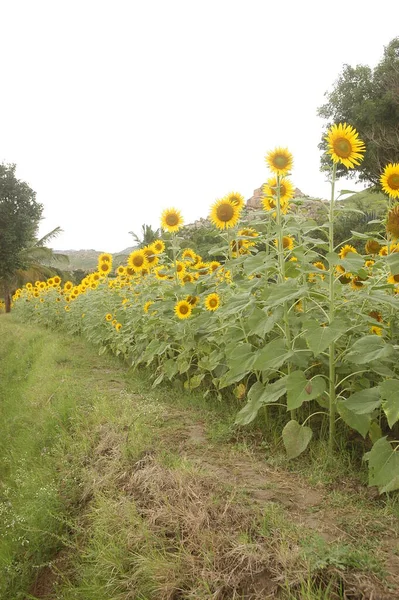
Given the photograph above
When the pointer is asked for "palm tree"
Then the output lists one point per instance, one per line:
(37, 259)
(147, 236)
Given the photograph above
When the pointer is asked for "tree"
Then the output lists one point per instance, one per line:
(368, 99)
(21, 254)
(146, 237)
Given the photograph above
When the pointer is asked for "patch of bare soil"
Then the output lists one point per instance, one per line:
(48, 578)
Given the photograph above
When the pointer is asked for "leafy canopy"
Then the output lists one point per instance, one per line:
(368, 99)
(19, 219)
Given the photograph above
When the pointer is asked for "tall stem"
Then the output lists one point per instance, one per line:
(281, 262)
(331, 313)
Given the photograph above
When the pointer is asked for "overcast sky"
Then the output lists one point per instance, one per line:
(114, 111)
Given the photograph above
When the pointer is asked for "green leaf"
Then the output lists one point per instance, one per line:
(390, 396)
(258, 395)
(259, 323)
(278, 293)
(300, 389)
(240, 361)
(272, 356)
(170, 367)
(345, 192)
(319, 338)
(353, 262)
(375, 432)
(194, 381)
(360, 423)
(368, 349)
(393, 263)
(332, 258)
(257, 262)
(383, 466)
(296, 438)
(365, 401)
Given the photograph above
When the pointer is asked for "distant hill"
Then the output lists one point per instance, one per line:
(87, 260)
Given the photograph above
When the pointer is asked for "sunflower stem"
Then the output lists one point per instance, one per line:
(331, 313)
(174, 256)
(281, 261)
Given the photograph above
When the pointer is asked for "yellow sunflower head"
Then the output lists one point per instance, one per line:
(287, 190)
(288, 242)
(187, 278)
(171, 220)
(279, 161)
(375, 314)
(147, 305)
(68, 285)
(271, 203)
(237, 199)
(394, 279)
(193, 300)
(151, 255)
(392, 225)
(138, 261)
(121, 270)
(212, 302)
(158, 246)
(372, 247)
(356, 283)
(346, 249)
(376, 330)
(344, 145)
(213, 266)
(390, 180)
(183, 309)
(104, 268)
(105, 257)
(188, 254)
(224, 214)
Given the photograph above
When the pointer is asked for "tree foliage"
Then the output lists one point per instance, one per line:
(368, 99)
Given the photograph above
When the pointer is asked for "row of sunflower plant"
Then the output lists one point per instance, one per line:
(288, 320)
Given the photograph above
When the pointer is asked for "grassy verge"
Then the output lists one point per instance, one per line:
(111, 491)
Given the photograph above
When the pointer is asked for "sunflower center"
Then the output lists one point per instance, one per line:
(184, 309)
(280, 161)
(225, 212)
(213, 302)
(396, 278)
(172, 219)
(138, 261)
(342, 147)
(393, 181)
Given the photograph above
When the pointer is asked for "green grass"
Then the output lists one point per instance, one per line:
(104, 495)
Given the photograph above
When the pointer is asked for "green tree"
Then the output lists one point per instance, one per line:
(23, 257)
(368, 99)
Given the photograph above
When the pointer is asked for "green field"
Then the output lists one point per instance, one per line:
(111, 490)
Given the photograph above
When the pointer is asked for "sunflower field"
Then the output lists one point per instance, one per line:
(291, 324)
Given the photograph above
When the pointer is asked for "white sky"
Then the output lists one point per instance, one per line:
(114, 111)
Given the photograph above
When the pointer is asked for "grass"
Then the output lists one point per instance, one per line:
(112, 490)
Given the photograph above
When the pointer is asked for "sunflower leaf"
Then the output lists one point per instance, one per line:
(360, 423)
(390, 396)
(258, 395)
(300, 389)
(365, 401)
(383, 466)
(393, 262)
(369, 349)
(319, 338)
(296, 438)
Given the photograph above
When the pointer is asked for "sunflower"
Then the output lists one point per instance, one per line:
(248, 232)
(68, 286)
(390, 180)
(236, 199)
(369, 264)
(50, 282)
(224, 214)
(180, 267)
(342, 275)
(118, 326)
(392, 224)
(376, 330)
(319, 265)
(287, 190)
(271, 203)
(344, 145)
(372, 247)
(356, 283)
(183, 309)
(193, 300)
(96, 276)
(188, 254)
(212, 302)
(67, 308)
(375, 314)
(160, 273)
(279, 161)
(346, 249)
(171, 220)
(108, 317)
(151, 255)
(288, 242)
(187, 278)
(121, 270)
(138, 261)
(298, 306)
(147, 305)
(105, 257)
(394, 279)
(213, 266)
(104, 268)
(158, 246)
